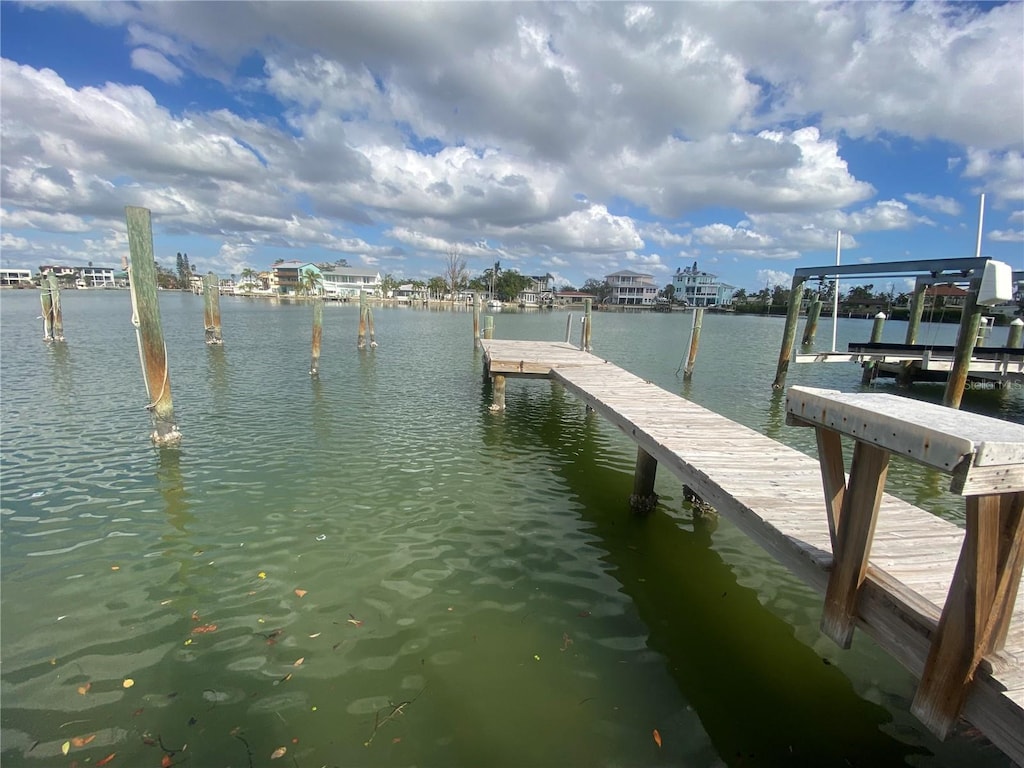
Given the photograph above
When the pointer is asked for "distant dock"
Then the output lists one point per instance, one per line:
(939, 599)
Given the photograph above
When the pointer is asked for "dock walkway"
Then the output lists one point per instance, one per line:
(774, 494)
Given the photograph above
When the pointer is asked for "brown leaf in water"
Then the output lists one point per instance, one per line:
(166, 761)
(204, 628)
(106, 760)
(298, 661)
(301, 592)
(81, 741)
(354, 621)
(84, 689)
(657, 737)
(279, 752)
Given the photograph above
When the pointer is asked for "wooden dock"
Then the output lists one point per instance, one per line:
(774, 493)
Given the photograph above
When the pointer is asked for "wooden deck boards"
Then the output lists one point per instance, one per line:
(773, 493)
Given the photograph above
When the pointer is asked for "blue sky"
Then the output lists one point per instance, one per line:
(575, 140)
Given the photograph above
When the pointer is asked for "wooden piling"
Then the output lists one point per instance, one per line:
(488, 326)
(644, 499)
(868, 368)
(568, 328)
(57, 312)
(211, 308)
(970, 321)
(691, 358)
(476, 319)
(1015, 334)
(146, 319)
(361, 338)
(587, 317)
(369, 326)
(913, 327)
(796, 294)
(318, 332)
(498, 392)
(811, 327)
(46, 299)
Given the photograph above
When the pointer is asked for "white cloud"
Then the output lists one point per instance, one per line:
(937, 203)
(773, 277)
(156, 64)
(1006, 236)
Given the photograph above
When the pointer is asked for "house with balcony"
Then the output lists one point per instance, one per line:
(631, 288)
(284, 276)
(21, 278)
(349, 282)
(697, 288)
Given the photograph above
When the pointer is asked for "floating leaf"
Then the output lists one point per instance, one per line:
(279, 752)
(354, 621)
(657, 737)
(166, 761)
(396, 740)
(128, 683)
(204, 628)
(84, 689)
(315, 634)
(106, 759)
(113, 568)
(81, 741)
(298, 661)
(65, 747)
(195, 615)
(301, 592)
(261, 575)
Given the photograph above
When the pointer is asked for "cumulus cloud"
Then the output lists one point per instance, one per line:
(937, 203)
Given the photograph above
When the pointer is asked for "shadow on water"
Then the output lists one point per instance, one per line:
(762, 696)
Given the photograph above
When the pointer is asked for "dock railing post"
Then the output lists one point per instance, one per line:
(318, 332)
(211, 308)
(811, 328)
(146, 319)
(868, 368)
(488, 326)
(691, 358)
(568, 329)
(789, 332)
(970, 320)
(1015, 334)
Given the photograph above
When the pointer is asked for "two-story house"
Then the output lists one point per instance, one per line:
(696, 288)
(631, 288)
(349, 282)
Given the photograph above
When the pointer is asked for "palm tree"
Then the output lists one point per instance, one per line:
(248, 277)
(311, 283)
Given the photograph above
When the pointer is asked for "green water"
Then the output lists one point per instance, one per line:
(480, 567)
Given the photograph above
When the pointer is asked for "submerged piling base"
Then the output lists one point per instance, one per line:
(643, 499)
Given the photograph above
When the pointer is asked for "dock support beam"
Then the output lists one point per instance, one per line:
(644, 499)
(811, 328)
(318, 333)
(211, 308)
(796, 293)
(860, 504)
(868, 368)
(976, 617)
(970, 321)
(146, 318)
(497, 392)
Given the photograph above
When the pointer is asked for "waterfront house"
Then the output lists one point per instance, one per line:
(538, 293)
(947, 295)
(631, 288)
(349, 282)
(17, 277)
(410, 292)
(697, 288)
(284, 276)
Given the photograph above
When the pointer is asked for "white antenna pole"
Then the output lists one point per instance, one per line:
(981, 219)
(835, 290)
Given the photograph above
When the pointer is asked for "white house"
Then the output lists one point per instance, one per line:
(12, 276)
(631, 288)
(348, 282)
(538, 293)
